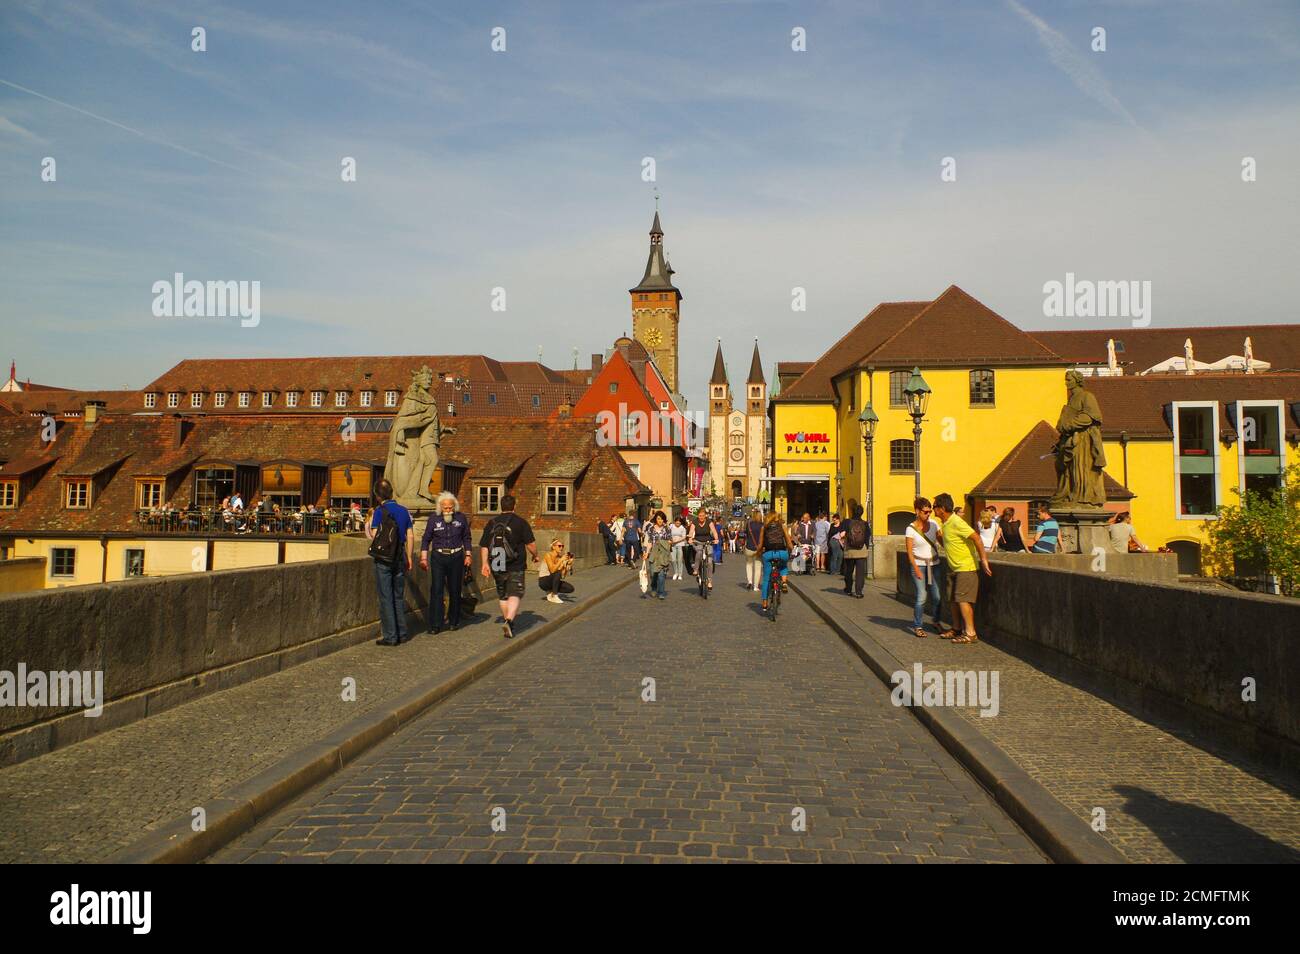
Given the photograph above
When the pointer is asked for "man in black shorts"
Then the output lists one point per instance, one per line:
(505, 547)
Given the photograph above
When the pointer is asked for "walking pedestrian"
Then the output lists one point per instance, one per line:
(616, 522)
(678, 534)
(753, 546)
(962, 547)
(922, 541)
(821, 540)
(658, 553)
(444, 554)
(631, 540)
(856, 533)
(391, 545)
(507, 542)
(835, 561)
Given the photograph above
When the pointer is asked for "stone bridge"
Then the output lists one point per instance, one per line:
(248, 717)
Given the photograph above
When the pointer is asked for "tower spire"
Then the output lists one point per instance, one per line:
(756, 368)
(719, 375)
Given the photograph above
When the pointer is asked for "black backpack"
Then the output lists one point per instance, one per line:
(386, 545)
(499, 540)
(856, 538)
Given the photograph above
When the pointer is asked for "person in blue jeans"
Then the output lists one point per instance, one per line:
(922, 540)
(390, 578)
(775, 545)
(631, 540)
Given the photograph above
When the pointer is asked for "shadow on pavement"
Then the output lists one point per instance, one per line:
(1199, 835)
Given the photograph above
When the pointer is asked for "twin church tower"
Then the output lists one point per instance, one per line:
(737, 439)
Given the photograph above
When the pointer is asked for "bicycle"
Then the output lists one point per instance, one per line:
(774, 592)
(703, 566)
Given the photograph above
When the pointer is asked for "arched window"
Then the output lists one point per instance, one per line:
(902, 457)
(897, 521)
(897, 382)
(981, 387)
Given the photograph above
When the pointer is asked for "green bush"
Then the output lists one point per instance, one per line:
(1259, 535)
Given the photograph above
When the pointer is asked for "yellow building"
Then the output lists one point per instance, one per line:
(1176, 443)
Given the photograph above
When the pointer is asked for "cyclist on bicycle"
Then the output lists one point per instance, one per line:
(774, 549)
(703, 535)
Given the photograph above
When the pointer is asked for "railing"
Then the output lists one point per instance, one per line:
(248, 522)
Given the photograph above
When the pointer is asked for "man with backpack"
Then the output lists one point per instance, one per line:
(856, 535)
(392, 546)
(506, 545)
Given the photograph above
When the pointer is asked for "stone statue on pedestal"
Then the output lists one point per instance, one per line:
(1080, 453)
(413, 443)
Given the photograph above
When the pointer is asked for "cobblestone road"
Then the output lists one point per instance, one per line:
(1170, 794)
(83, 802)
(752, 724)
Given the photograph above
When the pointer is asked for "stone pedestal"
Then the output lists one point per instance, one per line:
(1082, 529)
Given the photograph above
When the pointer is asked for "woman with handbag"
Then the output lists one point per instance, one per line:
(658, 554)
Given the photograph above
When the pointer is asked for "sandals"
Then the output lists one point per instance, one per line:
(919, 633)
(966, 638)
(947, 633)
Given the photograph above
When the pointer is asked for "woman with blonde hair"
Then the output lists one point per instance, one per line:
(555, 566)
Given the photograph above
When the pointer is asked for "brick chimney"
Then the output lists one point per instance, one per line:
(91, 411)
(597, 362)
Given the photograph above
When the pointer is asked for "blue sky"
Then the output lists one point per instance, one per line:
(522, 170)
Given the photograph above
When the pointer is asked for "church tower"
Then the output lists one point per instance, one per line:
(656, 307)
(719, 425)
(755, 426)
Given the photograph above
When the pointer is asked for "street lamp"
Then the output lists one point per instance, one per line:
(867, 421)
(917, 394)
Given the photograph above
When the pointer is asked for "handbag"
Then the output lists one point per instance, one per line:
(644, 578)
(470, 595)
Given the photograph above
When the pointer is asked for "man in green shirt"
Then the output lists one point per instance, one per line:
(961, 546)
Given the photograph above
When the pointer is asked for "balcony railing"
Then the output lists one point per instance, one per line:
(248, 522)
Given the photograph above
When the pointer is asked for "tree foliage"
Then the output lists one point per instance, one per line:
(1258, 536)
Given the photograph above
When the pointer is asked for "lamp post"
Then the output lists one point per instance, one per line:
(917, 393)
(867, 421)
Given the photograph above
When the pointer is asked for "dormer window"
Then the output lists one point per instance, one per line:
(76, 494)
(390, 399)
(291, 399)
(219, 399)
(196, 399)
(367, 397)
(173, 398)
(340, 398)
(245, 398)
(268, 398)
(151, 400)
(317, 398)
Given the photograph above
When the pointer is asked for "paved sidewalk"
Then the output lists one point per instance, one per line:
(83, 802)
(751, 721)
(1168, 795)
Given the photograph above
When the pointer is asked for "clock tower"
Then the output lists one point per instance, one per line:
(656, 306)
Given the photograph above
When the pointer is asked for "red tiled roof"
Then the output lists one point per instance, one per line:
(1144, 348)
(1136, 404)
(1028, 472)
(145, 445)
(883, 321)
(495, 388)
(956, 328)
(60, 402)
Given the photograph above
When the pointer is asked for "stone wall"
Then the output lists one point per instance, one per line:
(1185, 643)
(163, 640)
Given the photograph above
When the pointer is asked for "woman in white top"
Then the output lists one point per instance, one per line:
(990, 532)
(678, 532)
(922, 539)
(618, 538)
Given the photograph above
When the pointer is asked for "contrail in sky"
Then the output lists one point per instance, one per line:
(134, 132)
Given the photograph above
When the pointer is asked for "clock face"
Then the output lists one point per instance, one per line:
(654, 337)
(737, 454)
